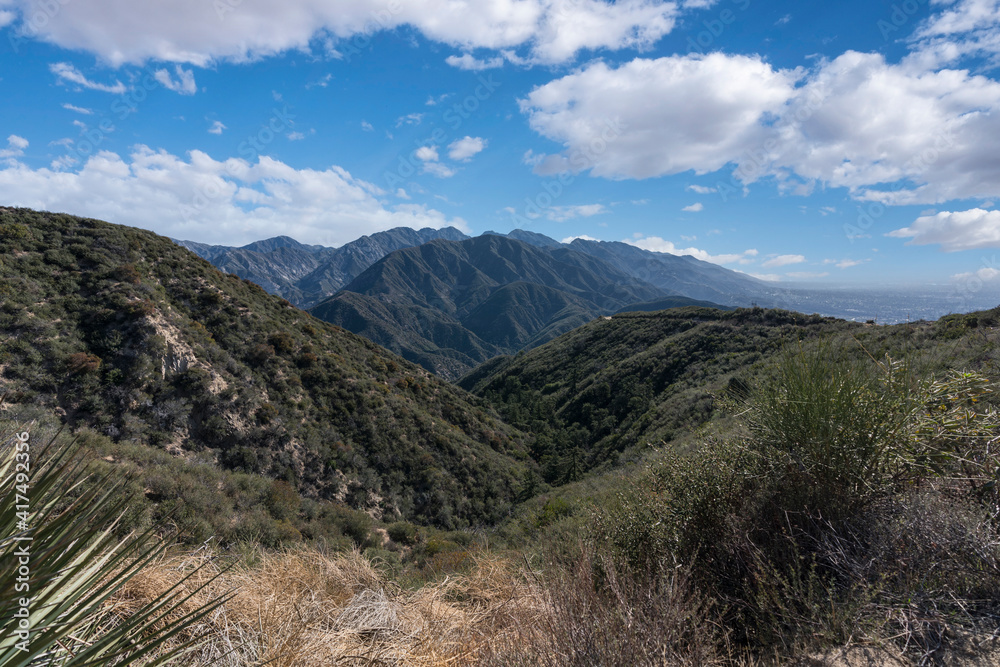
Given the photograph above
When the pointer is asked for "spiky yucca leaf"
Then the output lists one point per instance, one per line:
(76, 564)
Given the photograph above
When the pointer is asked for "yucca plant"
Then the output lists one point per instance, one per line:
(63, 562)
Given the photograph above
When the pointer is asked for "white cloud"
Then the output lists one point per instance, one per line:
(769, 277)
(657, 244)
(584, 237)
(410, 119)
(962, 17)
(15, 148)
(953, 231)
(401, 193)
(848, 263)
(702, 190)
(6, 18)
(427, 153)
(296, 136)
(468, 62)
(367, 127)
(571, 25)
(322, 82)
(184, 84)
(986, 274)
(199, 33)
(67, 72)
(564, 213)
(902, 133)
(783, 260)
(438, 169)
(463, 149)
(63, 162)
(230, 202)
(658, 117)
(73, 107)
(861, 123)
(694, 208)
(217, 127)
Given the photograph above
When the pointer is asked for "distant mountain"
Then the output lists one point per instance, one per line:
(122, 332)
(307, 274)
(680, 274)
(451, 305)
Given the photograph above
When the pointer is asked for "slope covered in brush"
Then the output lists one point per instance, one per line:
(450, 305)
(122, 331)
(630, 380)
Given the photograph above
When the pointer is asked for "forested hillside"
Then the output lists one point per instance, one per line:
(124, 332)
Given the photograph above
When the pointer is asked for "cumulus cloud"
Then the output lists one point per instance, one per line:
(953, 231)
(67, 72)
(463, 149)
(217, 127)
(658, 117)
(427, 153)
(783, 260)
(183, 84)
(697, 207)
(198, 33)
(899, 133)
(231, 202)
(860, 123)
(657, 244)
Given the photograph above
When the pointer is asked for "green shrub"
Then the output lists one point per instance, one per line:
(403, 533)
(832, 426)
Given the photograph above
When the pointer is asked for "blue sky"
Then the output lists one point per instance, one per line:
(825, 143)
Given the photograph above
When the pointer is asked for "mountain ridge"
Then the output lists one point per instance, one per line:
(124, 333)
(493, 292)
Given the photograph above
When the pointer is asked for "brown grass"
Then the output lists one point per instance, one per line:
(302, 608)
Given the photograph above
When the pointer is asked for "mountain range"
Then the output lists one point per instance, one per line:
(306, 274)
(450, 302)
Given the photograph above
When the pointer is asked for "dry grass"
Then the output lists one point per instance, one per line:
(302, 608)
